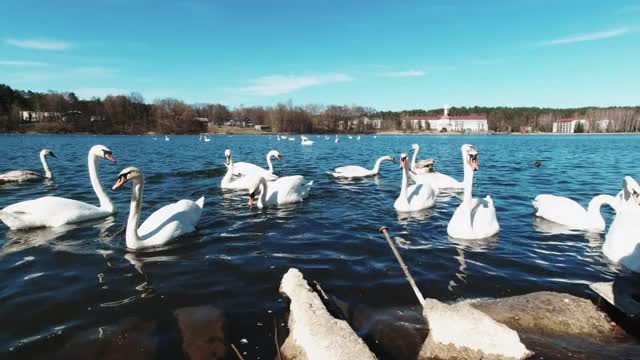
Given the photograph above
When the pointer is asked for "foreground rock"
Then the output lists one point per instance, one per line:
(461, 332)
(313, 332)
(203, 332)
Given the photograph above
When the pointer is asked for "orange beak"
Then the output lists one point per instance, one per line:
(110, 158)
(121, 180)
(252, 198)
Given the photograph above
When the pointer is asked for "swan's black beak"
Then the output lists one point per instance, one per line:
(52, 154)
(473, 161)
(227, 160)
(122, 179)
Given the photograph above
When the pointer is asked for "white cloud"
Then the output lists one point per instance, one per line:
(87, 93)
(409, 73)
(588, 37)
(284, 84)
(39, 44)
(22, 63)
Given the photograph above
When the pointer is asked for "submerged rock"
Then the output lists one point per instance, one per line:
(203, 332)
(313, 332)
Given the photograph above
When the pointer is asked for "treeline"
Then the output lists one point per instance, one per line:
(130, 114)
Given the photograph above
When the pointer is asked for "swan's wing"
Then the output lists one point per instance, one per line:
(20, 175)
(244, 168)
(446, 182)
(285, 190)
(171, 221)
(351, 170)
(559, 209)
(48, 211)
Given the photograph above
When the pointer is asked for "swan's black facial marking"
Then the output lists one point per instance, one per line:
(122, 179)
(52, 154)
(252, 198)
(473, 161)
(108, 155)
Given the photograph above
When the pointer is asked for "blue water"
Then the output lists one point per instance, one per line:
(58, 284)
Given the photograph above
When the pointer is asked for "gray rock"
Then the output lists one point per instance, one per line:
(203, 332)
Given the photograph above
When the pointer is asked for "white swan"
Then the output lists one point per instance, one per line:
(206, 138)
(249, 169)
(415, 197)
(165, 224)
(305, 140)
(569, 213)
(630, 193)
(166, 138)
(285, 190)
(622, 242)
(55, 211)
(28, 175)
(354, 171)
(424, 173)
(233, 180)
(474, 218)
(291, 138)
(337, 139)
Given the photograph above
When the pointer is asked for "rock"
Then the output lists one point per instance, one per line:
(549, 314)
(622, 294)
(313, 332)
(203, 332)
(461, 332)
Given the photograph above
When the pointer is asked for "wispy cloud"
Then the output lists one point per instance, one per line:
(284, 84)
(588, 37)
(39, 44)
(409, 73)
(22, 63)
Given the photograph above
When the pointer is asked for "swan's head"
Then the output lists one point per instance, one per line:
(631, 189)
(126, 175)
(47, 152)
(426, 164)
(102, 151)
(388, 158)
(227, 157)
(415, 147)
(470, 156)
(274, 153)
(253, 189)
(403, 160)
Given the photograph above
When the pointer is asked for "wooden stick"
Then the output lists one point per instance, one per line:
(237, 352)
(404, 267)
(275, 337)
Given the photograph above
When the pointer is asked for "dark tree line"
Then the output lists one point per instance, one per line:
(130, 114)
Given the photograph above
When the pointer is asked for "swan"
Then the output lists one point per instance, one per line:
(569, 213)
(292, 138)
(630, 193)
(285, 190)
(327, 138)
(166, 138)
(424, 172)
(622, 241)
(53, 211)
(415, 197)
(358, 138)
(350, 137)
(233, 180)
(474, 218)
(353, 171)
(165, 224)
(206, 139)
(305, 140)
(28, 175)
(249, 169)
(337, 139)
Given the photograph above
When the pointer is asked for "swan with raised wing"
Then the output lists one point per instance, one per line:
(165, 224)
(53, 211)
(622, 242)
(424, 172)
(285, 190)
(474, 218)
(249, 169)
(354, 171)
(415, 197)
(29, 175)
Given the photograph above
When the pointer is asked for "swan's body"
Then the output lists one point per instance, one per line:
(414, 197)
(350, 137)
(292, 139)
(29, 175)
(166, 138)
(53, 211)
(474, 218)
(305, 140)
(252, 170)
(232, 180)
(206, 139)
(354, 171)
(569, 213)
(424, 173)
(165, 224)
(622, 242)
(285, 190)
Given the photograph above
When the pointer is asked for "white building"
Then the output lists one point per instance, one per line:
(466, 123)
(568, 125)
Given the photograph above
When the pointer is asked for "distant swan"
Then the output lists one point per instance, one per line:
(305, 140)
(285, 190)
(354, 171)
(28, 175)
(622, 242)
(166, 138)
(569, 213)
(165, 224)
(415, 197)
(337, 139)
(53, 211)
(249, 169)
(474, 218)
(425, 173)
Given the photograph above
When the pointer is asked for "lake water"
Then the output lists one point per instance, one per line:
(59, 284)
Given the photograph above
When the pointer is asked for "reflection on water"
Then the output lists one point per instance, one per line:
(82, 278)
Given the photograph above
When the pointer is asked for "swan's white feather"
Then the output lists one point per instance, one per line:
(561, 210)
(20, 176)
(170, 222)
(252, 170)
(49, 211)
(474, 221)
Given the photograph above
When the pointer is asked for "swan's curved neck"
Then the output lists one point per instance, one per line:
(376, 167)
(105, 202)
(593, 210)
(269, 155)
(404, 184)
(133, 240)
(414, 157)
(45, 165)
(467, 183)
(262, 200)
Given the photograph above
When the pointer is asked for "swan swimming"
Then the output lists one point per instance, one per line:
(474, 218)
(53, 211)
(424, 172)
(165, 224)
(337, 139)
(354, 171)
(249, 169)
(305, 140)
(28, 175)
(415, 197)
(568, 212)
(622, 241)
(285, 190)
(232, 180)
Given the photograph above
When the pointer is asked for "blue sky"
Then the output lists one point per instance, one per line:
(418, 54)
